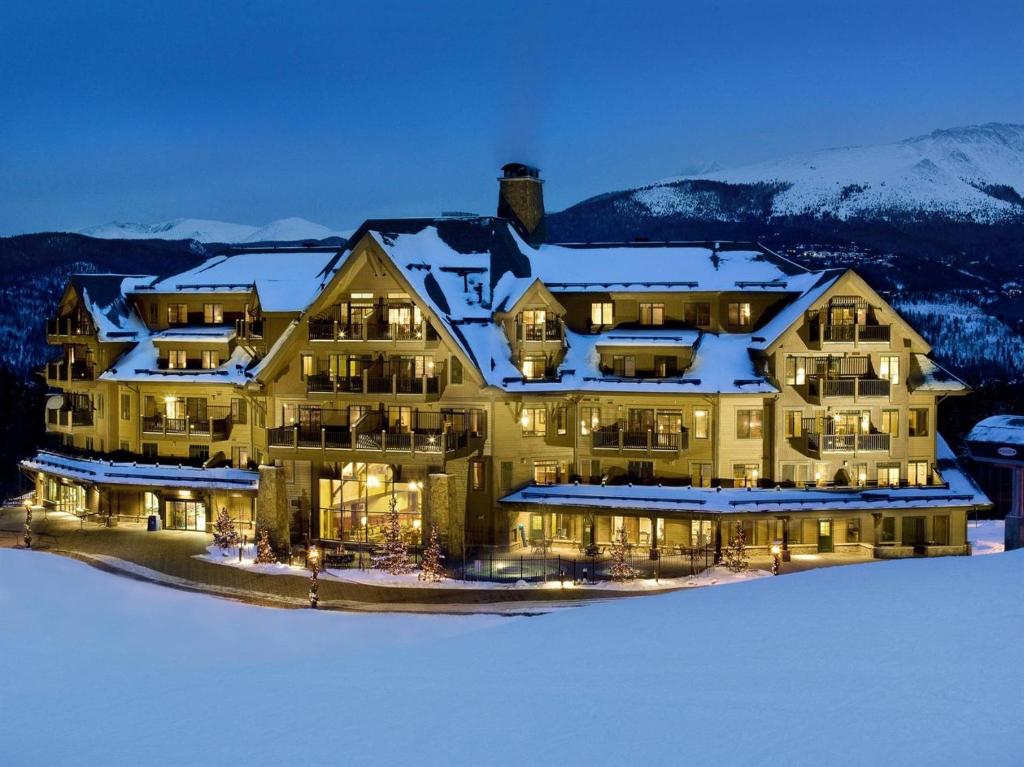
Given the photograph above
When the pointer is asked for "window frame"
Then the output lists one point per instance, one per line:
(655, 314)
(749, 415)
(602, 313)
(743, 314)
(534, 421)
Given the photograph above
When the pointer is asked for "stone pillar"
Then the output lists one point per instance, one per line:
(785, 538)
(439, 509)
(272, 507)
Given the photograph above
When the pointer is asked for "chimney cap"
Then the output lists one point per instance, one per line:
(519, 170)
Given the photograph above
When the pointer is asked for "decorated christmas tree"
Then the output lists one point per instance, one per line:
(432, 570)
(224, 534)
(392, 556)
(264, 552)
(621, 569)
(735, 555)
(28, 527)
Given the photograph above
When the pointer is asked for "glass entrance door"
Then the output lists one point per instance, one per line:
(186, 515)
(824, 536)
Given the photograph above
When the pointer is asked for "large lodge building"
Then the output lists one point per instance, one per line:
(509, 391)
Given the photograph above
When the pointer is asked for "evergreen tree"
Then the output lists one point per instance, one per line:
(735, 555)
(432, 570)
(621, 569)
(392, 556)
(264, 552)
(224, 533)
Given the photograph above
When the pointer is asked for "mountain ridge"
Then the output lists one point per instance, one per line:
(290, 229)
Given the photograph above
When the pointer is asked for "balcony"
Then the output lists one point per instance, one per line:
(373, 331)
(615, 438)
(429, 387)
(856, 388)
(829, 335)
(427, 432)
(848, 443)
(216, 429)
(249, 330)
(549, 330)
(69, 418)
(69, 327)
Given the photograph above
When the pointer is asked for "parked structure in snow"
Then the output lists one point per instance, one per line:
(515, 393)
(999, 440)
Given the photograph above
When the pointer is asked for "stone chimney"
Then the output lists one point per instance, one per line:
(521, 200)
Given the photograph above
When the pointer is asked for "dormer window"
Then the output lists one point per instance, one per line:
(177, 314)
(533, 324)
(602, 313)
(177, 359)
(211, 359)
(652, 314)
(624, 366)
(739, 314)
(213, 314)
(535, 366)
(697, 314)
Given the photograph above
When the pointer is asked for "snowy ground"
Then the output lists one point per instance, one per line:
(986, 536)
(872, 664)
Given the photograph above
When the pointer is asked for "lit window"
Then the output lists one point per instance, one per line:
(534, 367)
(796, 371)
(476, 475)
(177, 314)
(794, 423)
(533, 324)
(590, 419)
(918, 473)
(601, 313)
(891, 422)
(889, 368)
(739, 314)
(534, 421)
(918, 422)
(213, 314)
(748, 424)
(746, 474)
(177, 359)
(652, 314)
(546, 472)
(624, 366)
(307, 365)
(211, 359)
(888, 474)
(700, 424)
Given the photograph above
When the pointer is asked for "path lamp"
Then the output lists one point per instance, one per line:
(776, 558)
(313, 559)
(28, 524)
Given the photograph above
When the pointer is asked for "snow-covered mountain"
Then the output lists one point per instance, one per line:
(973, 173)
(204, 230)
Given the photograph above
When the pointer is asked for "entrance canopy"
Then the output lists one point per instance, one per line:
(94, 472)
(999, 439)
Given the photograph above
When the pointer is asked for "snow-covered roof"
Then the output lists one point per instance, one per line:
(1007, 429)
(285, 279)
(196, 334)
(104, 296)
(649, 267)
(961, 491)
(111, 473)
(794, 311)
(928, 375)
(647, 337)
(139, 364)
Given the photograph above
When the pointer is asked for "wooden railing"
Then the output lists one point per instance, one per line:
(848, 443)
(367, 383)
(327, 329)
(614, 437)
(848, 388)
(852, 334)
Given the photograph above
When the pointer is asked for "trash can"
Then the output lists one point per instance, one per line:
(153, 523)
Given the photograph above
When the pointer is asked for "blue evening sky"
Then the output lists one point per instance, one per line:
(248, 112)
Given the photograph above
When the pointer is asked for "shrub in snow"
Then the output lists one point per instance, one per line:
(392, 556)
(264, 553)
(735, 556)
(621, 569)
(225, 536)
(432, 570)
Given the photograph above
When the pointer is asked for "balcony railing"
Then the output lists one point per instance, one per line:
(327, 329)
(80, 418)
(251, 330)
(430, 432)
(616, 438)
(210, 427)
(852, 334)
(848, 443)
(69, 326)
(848, 388)
(325, 383)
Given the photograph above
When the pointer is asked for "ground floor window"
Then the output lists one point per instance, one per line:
(354, 507)
(853, 530)
(150, 503)
(641, 471)
(887, 534)
(69, 498)
(940, 530)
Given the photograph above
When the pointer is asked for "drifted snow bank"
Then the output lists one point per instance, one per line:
(702, 676)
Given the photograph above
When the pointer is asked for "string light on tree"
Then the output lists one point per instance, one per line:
(432, 570)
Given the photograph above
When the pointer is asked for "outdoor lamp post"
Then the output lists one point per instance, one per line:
(776, 558)
(28, 524)
(313, 559)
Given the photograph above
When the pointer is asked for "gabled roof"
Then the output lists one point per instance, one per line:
(104, 297)
(285, 279)
(139, 364)
(927, 375)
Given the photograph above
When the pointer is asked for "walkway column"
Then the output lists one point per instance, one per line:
(785, 537)
(718, 540)
(654, 538)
